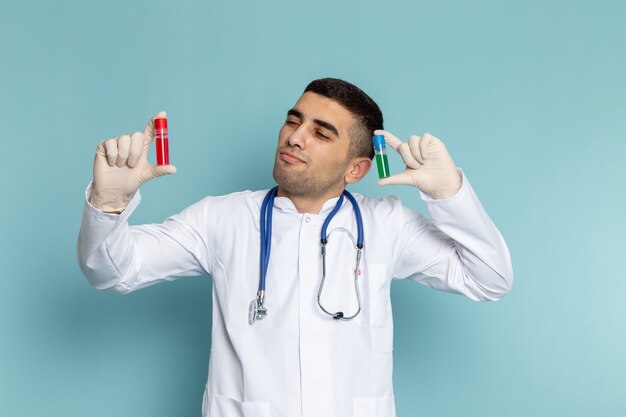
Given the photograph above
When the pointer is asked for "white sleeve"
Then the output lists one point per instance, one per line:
(458, 250)
(121, 258)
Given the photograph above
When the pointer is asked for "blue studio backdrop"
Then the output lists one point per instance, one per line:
(529, 97)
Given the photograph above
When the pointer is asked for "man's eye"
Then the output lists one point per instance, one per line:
(291, 122)
(323, 136)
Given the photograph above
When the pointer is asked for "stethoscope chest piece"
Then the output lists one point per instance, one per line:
(256, 311)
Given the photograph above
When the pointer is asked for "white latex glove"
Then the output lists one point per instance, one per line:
(121, 166)
(429, 166)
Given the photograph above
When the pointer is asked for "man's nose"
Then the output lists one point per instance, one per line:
(298, 137)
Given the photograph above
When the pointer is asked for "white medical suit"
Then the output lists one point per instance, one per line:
(298, 361)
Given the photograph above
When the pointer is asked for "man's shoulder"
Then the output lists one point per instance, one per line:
(376, 202)
(237, 197)
(229, 204)
(385, 204)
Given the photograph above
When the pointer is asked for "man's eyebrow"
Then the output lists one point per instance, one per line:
(294, 112)
(326, 125)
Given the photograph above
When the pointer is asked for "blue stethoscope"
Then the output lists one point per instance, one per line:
(257, 311)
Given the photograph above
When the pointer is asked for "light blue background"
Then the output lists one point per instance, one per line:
(530, 98)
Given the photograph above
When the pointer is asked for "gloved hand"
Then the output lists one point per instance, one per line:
(429, 166)
(121, 166)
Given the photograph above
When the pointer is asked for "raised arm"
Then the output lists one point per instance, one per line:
(459, 249)
(122, 258)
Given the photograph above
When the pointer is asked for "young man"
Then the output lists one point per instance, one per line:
(307, 357)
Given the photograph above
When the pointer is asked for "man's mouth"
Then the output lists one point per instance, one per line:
(291, 158)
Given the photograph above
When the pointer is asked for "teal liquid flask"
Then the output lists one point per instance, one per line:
(380, 152)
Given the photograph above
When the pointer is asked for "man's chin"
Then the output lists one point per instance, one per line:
(292, 184)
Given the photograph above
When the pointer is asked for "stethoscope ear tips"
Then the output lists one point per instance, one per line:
(338, 315)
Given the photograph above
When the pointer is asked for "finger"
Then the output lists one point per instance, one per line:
(427, 140)
(400, 147)
(407, 156)
(100, 150)
(414, 145)
(148, 131)
(402, 178)
(123, 146)
(136, 149)
(110, 147)
(390, 139)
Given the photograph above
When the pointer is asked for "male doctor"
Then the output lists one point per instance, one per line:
(299, 360)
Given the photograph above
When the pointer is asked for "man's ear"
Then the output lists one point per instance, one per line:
(357, 169)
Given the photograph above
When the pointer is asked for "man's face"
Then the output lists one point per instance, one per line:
(313, 147)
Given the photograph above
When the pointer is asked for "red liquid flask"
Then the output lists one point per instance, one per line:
(162, 146)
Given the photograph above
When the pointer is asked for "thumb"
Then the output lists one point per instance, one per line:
(156, 171)
(403, 178)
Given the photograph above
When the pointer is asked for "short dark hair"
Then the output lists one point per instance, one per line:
(366, 111)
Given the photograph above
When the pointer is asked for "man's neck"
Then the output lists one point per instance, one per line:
(309, 204)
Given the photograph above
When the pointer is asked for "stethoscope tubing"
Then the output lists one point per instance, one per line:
(257, 310)
(266, 234)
